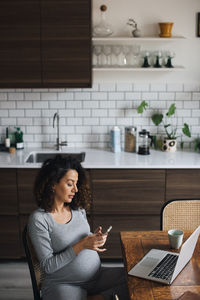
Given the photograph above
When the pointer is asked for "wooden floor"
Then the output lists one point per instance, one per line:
(15, 283)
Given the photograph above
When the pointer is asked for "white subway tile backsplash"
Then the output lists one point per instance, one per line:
(8, 121)
(124, 87)
(191, 104)
(82, 96)
(190, 87)
(109, 87)
(82, 112)
(56, 104)
(196, 96)
(74, 104)
(15, 96)
(99, 96)
(183, 96)
(174, 87)
(74, 121)
(99, 112)
(48, 96)
(24, 104)
(65, 96)
(149, 96)
(90, 104)
(116, 96)
(141, 87)
(91, 121)
(4, 113)
(16, 113)
(87, 115)
(133, 96)
(158, 87)
(106, 104)
(32, 96)
(32, 112)
(7, 104)
(40, 104)
(3, 96)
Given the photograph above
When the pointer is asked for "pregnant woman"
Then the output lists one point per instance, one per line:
(60, 233)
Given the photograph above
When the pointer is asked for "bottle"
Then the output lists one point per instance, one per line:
(115, 139)
(7, 139)
(103, 28)
(19, 139)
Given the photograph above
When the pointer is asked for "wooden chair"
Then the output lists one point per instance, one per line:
(181, 214)
(36, 273)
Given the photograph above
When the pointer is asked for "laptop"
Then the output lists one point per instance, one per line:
(164, 266)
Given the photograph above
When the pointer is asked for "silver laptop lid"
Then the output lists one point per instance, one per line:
(186, 252)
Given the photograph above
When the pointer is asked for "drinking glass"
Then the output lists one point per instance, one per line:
(97, 51)
(136, 51)
(107, 50)
(116, 49)
(126, 56)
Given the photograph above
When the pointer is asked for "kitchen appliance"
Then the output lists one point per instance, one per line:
(144, 142)
(130, 139)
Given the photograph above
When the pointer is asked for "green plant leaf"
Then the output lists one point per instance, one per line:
(157, 118)
(143, 105)
(171, 110)
(167, 125)
(186, 130)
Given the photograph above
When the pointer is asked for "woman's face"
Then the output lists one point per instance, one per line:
(66, 188)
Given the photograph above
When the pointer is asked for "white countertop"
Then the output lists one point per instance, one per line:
(105, 159)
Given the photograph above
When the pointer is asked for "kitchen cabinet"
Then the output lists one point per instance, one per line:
(127, 200)
(9, 229)
(20, 60)
(45, 43)
(66, 43)
(182, 184)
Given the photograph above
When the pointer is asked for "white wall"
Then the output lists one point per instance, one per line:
(148, 13)
(87, 115)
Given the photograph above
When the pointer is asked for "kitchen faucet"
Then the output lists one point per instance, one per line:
(59, 144)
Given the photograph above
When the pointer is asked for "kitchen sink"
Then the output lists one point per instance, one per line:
(40, 157)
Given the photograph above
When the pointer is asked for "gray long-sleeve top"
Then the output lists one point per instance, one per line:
(53, 245)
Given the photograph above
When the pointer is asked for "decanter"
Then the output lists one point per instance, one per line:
(103, 28)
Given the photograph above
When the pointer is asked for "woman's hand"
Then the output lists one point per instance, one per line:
(93, 242)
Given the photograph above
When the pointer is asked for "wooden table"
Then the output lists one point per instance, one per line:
(135, 244)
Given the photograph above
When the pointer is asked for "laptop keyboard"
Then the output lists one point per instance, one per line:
(165, 268)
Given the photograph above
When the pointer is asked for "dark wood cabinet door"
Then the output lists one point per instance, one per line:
(128, 191)
(8, 192)
(182, 184)
(66, 43)
(26, 178)
(9, 237)
(20, 59)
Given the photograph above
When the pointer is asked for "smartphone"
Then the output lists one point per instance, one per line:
(108, 230)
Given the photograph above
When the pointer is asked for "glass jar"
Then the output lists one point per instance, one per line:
(130, 139)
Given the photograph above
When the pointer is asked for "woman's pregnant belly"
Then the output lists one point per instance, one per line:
(83, 268)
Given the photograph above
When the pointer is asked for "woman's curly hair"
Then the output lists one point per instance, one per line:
(51, 173)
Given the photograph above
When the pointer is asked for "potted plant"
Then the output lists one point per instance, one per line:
(170, 140)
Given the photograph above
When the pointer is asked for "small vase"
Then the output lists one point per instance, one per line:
(169, 145)
(166, 29)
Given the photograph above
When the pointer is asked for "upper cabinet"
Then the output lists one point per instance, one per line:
(66, 43)
(20, 60)
(45, 43)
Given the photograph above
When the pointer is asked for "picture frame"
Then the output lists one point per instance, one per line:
(198, 24)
